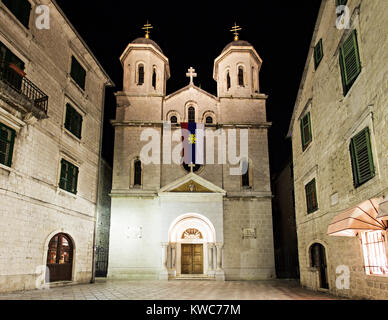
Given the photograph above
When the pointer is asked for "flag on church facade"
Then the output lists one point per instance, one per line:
(193, 135)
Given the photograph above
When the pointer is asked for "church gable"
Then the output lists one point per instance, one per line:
(192, 183)
(190, 95)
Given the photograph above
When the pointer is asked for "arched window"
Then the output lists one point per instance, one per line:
(227, 81)
(154, 79)
(137, 173)
(191, 114)
(174, 119)
(241, 76)
(59, 258)
(209, 119)
(245, 174)
(140, 71)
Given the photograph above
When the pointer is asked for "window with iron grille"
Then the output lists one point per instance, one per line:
(305, 129)
(140, 75)
(69, 177)
(137, 173)
(73, 121)
(311, 196)
(318, 53)
(362, 158)
(20, 9)
(375, 257)
(7, 140)
(78, 73)
(350, 64)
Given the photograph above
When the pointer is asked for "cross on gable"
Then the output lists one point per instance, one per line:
(192, 166)
(191, 74)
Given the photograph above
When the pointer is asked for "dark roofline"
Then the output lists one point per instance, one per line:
(109, 83)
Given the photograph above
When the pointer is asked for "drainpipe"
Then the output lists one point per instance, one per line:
(92, 280)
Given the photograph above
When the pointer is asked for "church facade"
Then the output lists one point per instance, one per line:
(171, 220)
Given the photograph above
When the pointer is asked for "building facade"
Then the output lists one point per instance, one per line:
(170, 220)
(340, 149)
(51, 112)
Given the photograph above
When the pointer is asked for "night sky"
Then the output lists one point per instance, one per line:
(193, 33)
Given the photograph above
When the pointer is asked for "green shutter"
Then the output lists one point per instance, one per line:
(69, 177)
(305, 123)
(350, 63)
(7, 141)
(318, 53)
(73, 121)
(78, 73)
(311, 196)
(362, 158)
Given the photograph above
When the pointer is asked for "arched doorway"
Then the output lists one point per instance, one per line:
(318, 260)
(60, 258)
(192, 238)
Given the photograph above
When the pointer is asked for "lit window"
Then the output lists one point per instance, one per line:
(375, 257)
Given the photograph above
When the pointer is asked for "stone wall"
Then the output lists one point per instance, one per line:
(335, 119)
(33, 207)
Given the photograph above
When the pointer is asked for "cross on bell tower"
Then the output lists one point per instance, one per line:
(191, 74)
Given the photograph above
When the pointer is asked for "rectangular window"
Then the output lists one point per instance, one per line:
(73, 121)
(311, 196)
(69, 177)
(362, 158)
(78, 73)
(318, 53)
(375, 257)
(7, 140)
(20, 9)
(305, 128)
(350, 64)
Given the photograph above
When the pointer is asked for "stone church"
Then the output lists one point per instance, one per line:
(171, 221)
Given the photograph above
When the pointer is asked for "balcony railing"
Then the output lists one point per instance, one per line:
(22, 85)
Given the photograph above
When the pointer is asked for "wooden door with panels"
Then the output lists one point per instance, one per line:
(192, 259)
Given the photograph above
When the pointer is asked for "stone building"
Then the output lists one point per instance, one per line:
(340, 147)
(170, 220)
(51, 112)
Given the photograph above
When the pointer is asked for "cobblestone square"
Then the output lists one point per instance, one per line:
(174, 290)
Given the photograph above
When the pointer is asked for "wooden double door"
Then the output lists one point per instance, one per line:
(192, 259)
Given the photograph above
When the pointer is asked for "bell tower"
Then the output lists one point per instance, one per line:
(237, 69)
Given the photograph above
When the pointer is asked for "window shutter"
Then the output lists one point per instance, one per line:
(78, 73)
(318, 53)
(305, 128)
(74, 179)
(311, 196)
(362, 158)
(7, 139)
(350, 61)
(63, 176)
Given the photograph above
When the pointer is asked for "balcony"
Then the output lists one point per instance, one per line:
(23, 89)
